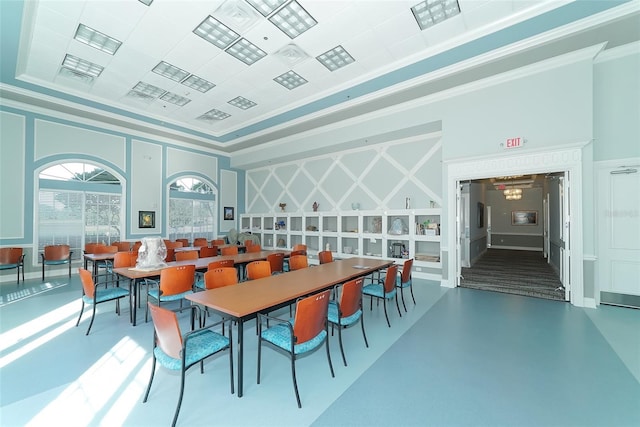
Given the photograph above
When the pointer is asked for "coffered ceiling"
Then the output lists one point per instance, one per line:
(393, 59)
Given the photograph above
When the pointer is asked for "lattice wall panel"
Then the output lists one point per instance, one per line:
(378, 177)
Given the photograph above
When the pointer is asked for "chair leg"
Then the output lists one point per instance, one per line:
(402, 295)
(93, 316)
(295, 383)
(153, 371)
(384, 304)
(398, 305)
(364, 335)
(326, 343)
(259, 349)
(410, 288)
(175, 417)
(43, 271)
(81, 312)
(344, 359)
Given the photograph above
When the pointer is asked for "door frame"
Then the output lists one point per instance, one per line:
(567, 158)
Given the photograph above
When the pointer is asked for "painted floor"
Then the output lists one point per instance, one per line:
(458, 357)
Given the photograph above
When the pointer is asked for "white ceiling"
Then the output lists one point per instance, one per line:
(381, 35)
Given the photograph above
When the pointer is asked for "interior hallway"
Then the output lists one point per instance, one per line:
(459, 357)
(514, 272)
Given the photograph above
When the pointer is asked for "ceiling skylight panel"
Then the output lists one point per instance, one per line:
(170, 71)
(147, 89)
(214, 115)
(292, 19)
(96, 39)
(335, 58)
(197, 83)
(81, 66)
(175, 99)
(242, 103)
(431, 12)
(215, 32)
(290, 80)
(246, 51)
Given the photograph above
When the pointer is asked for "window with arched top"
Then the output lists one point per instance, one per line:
(192, 208)
(78, 203)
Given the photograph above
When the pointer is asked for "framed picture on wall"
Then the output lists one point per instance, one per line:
(228, 214)
(146, 219)
(524, 217)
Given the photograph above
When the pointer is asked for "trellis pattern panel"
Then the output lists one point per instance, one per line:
(377, 178)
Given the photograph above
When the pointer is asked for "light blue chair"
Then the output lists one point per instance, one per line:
(12, 258)
(56, 255)
(347, 310)
(384, 290)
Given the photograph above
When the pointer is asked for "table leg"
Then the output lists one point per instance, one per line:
(135, 300)
(86, 263)
(240, 355)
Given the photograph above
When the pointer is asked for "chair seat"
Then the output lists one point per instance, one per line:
(154, 293)
(332, 315)
(199, 345)
(280, 335)
(106, 295)
(377, 290)
(56, 262)
(401, 284)
(8, 266)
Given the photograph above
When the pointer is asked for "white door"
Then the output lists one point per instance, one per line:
(565, 259)
(465, 244)
(618, 212)
(459, 232)
(545, 226)
(488, 226)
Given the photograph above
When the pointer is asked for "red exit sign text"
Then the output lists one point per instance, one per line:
(514, 143)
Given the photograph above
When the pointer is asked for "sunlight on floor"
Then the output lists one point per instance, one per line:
(29, 292)
(85, 397)
(28, 330)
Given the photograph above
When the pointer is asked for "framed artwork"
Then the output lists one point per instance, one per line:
(480, 215)
(146, 219)
(524, 218)
(228, 214)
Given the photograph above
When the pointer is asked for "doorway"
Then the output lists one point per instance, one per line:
(568, 255)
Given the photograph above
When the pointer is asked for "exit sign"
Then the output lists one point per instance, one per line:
(516, 142)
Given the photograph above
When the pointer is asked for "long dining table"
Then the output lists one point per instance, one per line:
(135, 275)
(245, 300)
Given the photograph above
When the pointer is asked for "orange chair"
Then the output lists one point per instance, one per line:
(405, 281)
(185, 242)
(172, 245)
(384, 290)
(258, 270)
(217, 242)
(208, 251)
(277, 262)
(171, 255)
(136, 246)
(347, 310)
(254, 248)
(12, 258)
(300, 247)
(296, 262)
(248, 243)
(175, 283)
(177, 351)
(229, 250)
(56, 255)
(292, 254)
(122, 246)
(214, 265)
(220, 277)
(94, 296)
(308, 331)
(92, 248)
(200, 241)
(187, 255)
(325, 257)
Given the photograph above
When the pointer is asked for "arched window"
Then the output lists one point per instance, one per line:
(78, 203)
(192, 208)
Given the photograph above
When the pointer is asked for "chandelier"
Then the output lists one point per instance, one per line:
(513, 193)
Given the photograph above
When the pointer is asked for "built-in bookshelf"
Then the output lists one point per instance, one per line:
(398, 234)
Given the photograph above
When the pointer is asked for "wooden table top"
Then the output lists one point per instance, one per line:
(200, 263)
(99, 257)
(248, 298)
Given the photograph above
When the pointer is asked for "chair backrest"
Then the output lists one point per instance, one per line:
(106, 249)
(248, 243)
(300, 247)
(187, 255)
(92, 248)
(208, 251)
(125, 259)
(185, 242)
(10, 255)
(258, 269)
(220, 277)
(168, 335)
(311, 316)
(56, 252)
(87, 282)
(298, 252)
(176, 280)
(171, 255)
(277, 262)
(351, 297)
(122, 246)
(406, 271)
(254, 248)
(325, 257)
(217, 242)
(220, 264)
(172, 245)
(200, 241)
(136, 246)
(296, 262)
(229, 250)
(390, 278)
